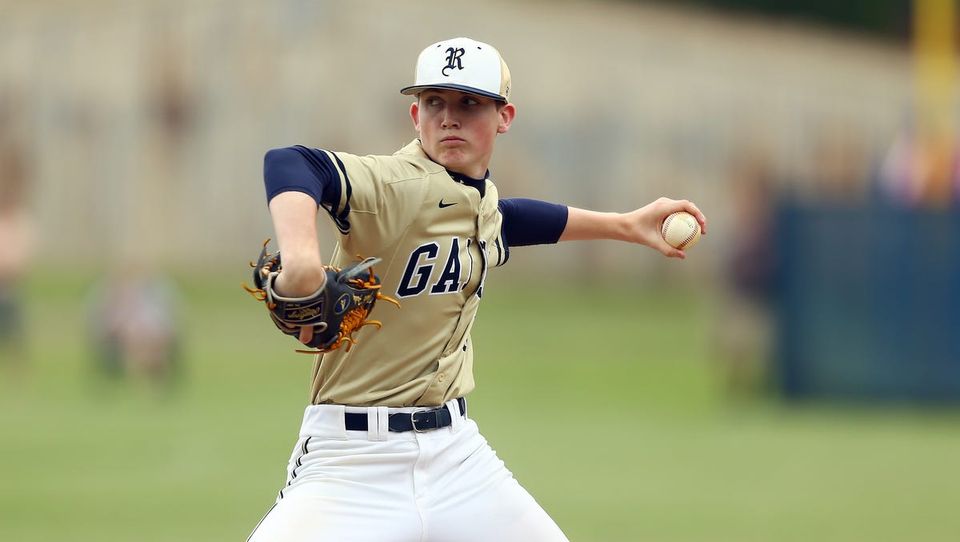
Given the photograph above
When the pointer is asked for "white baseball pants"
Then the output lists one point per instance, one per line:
(444, 485)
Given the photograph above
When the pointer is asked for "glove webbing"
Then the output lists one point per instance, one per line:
(356, 318)
(352, 321)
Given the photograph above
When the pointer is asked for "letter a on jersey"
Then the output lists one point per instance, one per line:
(449, 280)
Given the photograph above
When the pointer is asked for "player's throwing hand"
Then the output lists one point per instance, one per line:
(643, 225)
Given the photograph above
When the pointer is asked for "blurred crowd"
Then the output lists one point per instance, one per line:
(133, 313)
(17, 237)
(134, 331)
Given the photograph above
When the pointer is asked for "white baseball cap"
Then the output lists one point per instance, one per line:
(462, 64)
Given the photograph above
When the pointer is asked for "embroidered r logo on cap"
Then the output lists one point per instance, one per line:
(453, 60)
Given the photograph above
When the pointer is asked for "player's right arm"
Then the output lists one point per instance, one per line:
(294, 193)
(294, 217)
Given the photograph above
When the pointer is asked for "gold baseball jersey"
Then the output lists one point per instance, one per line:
(437, 238)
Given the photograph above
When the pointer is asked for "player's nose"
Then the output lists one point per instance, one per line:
(449, 120)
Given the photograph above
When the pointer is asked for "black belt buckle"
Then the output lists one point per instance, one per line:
(426, 420)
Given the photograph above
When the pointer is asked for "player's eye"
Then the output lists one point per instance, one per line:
(470, 101)
(433, 101)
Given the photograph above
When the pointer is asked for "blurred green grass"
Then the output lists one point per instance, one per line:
(604, 403)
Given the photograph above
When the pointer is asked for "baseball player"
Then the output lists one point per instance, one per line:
(387, 451)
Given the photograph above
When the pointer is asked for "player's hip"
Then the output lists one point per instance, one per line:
(380, 446)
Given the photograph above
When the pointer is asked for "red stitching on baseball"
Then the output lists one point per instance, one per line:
(666, 224)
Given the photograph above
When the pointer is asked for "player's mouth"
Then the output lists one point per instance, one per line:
(453, 140)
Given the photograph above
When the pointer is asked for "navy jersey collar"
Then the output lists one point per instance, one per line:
(479, 184)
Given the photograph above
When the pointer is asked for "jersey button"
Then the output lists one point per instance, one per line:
(442, 377)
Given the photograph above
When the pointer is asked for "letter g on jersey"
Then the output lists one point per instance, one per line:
(417, 265)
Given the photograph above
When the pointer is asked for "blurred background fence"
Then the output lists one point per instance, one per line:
(144, 123)
(867, 303)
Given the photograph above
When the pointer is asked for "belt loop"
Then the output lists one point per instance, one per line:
(456, 417)
(373, 427)
(382, 423)
(332, 419)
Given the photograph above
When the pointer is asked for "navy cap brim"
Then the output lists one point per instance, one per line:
(416, 89)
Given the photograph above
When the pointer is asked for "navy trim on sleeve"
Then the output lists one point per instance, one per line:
(340, 219)
(309, 171)
(531, 222)
(503, 250)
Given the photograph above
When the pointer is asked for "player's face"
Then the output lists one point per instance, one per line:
(458, 130)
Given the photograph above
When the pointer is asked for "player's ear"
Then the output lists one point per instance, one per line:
(415, 114)
(507, 113)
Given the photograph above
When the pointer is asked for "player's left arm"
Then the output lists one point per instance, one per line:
(641, 226)
(533, 222)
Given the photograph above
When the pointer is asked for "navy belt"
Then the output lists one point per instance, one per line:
(419, 420)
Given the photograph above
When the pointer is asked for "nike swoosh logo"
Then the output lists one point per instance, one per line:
(445, 205)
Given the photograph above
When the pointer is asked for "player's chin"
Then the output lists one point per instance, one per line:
(454, 159)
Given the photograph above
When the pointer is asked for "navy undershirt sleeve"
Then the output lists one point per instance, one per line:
(532, 222)
(304, 170)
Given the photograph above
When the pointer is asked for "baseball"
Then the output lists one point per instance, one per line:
(680, 230)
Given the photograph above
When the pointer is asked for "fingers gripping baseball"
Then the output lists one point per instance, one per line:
(328, 318)
(645, 225)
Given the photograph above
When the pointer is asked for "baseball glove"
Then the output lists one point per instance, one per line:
(335, 311)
